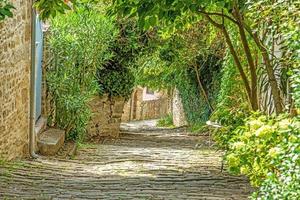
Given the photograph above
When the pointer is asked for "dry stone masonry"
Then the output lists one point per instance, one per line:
(15, 39)
(138, 108)
(106, 116)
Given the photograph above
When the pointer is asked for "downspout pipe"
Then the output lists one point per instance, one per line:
(32, 85)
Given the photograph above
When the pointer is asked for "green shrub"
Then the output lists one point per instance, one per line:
(79, 43)
(266, 149)
(283, 183)
(232, 105)
(116, 81)
(116, 77)
(296, 87)
(166, 121)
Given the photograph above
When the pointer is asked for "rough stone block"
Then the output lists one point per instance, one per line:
(51, 141)
(106, 118)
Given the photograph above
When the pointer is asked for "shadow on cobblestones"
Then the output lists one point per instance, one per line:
(145, 165)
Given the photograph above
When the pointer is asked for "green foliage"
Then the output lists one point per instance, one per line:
(80, 45)
(283, 21)
(166, 121)
(116, 82)
(176, 14)
(266, 149)
(116, 78)
(280, 19)
(283, 183)
(151, 70)
(232, 106)
(174, 61)
(195, 107)
(5, 9)
(296, 87)
(130, 42)
(52, 8)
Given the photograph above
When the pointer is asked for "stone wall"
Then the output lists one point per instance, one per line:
(179, 118)
(106, 117)
(15, 37)
(132, 109)
(139, 107)
(154, 109)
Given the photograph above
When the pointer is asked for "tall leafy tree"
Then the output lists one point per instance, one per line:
(248, 46)
(223, 15)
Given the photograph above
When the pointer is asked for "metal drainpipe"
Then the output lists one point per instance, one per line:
(32, 86)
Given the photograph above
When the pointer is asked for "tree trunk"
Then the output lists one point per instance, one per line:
(236, 59)
(271, 76)
(252, 66)
(202, 90)
(253, 102)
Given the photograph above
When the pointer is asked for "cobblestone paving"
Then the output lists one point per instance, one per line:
(148, 165)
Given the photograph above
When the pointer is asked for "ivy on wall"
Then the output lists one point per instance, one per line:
(196, 109)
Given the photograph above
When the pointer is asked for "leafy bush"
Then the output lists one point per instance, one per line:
(231, 109)
(296, 87)
(116, 77)
(79, 43)
(116, 82)
(166, 121)
(266, 149)
(283, 183)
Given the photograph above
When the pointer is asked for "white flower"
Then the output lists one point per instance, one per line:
(273, 152)
(255, 124)
(238, 145)
(264, 131)
(284, 124)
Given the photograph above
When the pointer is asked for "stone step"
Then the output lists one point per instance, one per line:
(50, 141)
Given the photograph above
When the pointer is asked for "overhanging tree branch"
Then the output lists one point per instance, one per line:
(235, 57)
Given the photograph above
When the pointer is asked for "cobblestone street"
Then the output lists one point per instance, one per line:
(156, 164)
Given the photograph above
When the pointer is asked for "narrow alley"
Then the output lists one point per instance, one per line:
(145, 163)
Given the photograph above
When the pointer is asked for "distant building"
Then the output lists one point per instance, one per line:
(146, 104)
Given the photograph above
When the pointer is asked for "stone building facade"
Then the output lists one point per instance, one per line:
(146, 104)
(15, 41)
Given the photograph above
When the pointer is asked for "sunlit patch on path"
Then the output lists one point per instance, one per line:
(157, 164)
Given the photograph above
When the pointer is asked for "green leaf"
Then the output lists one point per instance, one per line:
(6, 12)
(152, 20)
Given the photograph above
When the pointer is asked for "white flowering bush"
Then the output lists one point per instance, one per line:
(267, 150)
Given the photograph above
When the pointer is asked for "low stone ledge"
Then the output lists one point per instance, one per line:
(106, 117)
